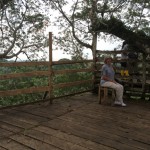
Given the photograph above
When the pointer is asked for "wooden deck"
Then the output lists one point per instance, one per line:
(76, 123)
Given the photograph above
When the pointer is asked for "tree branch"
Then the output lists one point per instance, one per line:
(72, 25)
(113, 26)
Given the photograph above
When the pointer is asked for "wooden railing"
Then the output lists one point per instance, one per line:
(70, 84)
(23, 74)
(137, 82)
(49, 73)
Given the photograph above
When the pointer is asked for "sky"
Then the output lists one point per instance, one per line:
(101, 46)
(59, 54)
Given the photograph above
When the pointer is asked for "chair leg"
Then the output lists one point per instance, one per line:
(99, 94)
(105, 93)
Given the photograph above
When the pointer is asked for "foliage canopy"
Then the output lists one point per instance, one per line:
(81, 24)
(22, 30)
(91, 19)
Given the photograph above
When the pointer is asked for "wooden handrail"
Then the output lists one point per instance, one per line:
(71, 62)
(24, 91)
(61, 85)
(16, 64)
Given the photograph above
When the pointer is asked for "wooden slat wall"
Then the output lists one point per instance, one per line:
(48, 73)
(41, 73)
(143, 71)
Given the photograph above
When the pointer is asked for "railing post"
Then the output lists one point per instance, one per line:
(50, 69)
(94, 46)
(144, 73)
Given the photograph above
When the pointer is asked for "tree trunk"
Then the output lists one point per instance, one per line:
(94, 47)
(138, 40)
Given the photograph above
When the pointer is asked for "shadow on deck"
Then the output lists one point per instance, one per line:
(76, 123)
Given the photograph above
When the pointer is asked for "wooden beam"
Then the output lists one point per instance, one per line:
(25, 74)
(24, 91)
(50, 68)
(61, 85)
(72, 71)
(20, 64)
(71, 62)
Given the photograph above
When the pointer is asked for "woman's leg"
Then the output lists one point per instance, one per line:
(119, 90)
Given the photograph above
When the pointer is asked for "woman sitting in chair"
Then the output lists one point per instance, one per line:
(108, 80)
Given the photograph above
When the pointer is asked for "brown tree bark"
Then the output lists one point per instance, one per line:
(139, 40)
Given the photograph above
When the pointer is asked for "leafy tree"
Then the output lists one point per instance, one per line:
(22, 30)
(4, 2)
(90, 20)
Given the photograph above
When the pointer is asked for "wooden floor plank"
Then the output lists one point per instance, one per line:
(121, 124)
(76, 123)
(72, 138)
(57, 109)
(8, 126)
(136, 111)
(2, 148)
(33, 143)
(86, 133)
(106, 131)
(25, 117)
(125, 121)
(4, 133)
(117, 113)
(13, 145)
(55, 141)
(14, 121)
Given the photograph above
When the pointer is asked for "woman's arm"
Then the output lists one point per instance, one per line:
(108, 79)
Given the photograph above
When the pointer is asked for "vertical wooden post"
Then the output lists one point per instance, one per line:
(94, 46)
(50, 69)
(144, 73)
(114, 57)
(93, 19)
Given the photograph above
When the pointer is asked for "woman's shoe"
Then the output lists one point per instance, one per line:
(117, 103)
(123, 104)
(120, 103)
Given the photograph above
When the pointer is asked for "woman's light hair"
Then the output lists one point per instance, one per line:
(106, 58)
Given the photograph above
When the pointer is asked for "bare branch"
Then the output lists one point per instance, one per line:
(72, 25)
